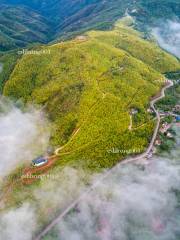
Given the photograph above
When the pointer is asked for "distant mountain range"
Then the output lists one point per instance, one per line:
(23, 21)
(20, 26)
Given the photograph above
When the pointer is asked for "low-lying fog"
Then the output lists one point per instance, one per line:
(133, 203)
(23, 135)
(168, 36)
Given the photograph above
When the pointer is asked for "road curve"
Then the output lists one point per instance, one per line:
(108, 172)
(148, 150)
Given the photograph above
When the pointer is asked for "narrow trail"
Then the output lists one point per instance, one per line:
(104, 94)
(61, 148)
(130, 124)
(57, 151)
(105, 175)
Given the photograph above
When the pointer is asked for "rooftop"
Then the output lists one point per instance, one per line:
(40, 159)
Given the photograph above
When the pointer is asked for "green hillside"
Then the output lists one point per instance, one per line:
(88, 87)
(81, 16)
(7, 63)
(124, 37)
(42, 21)
(20, 26)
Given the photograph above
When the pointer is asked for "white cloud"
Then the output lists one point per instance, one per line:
(18, 224)
(130, 204)
(22, 136)
(168, 36)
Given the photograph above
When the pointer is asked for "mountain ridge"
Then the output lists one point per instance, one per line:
(65, 18)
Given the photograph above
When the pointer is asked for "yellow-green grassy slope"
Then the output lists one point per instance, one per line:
(89, 87)
(126, 38)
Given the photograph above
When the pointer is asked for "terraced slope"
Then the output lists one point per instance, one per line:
(88, 87)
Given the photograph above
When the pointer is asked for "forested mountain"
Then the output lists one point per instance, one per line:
(89, 85)
(20, 26)
(42, 21)
(89, 76)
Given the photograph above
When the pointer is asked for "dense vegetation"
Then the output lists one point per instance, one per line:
(89, 86)
(20, 26)
(42, 21)
(7, 63)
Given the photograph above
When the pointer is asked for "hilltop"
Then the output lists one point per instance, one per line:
(89, 86)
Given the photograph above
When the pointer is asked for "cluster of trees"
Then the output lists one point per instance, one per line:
(7, 62)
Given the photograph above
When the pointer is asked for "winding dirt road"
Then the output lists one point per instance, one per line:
(107, 173)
